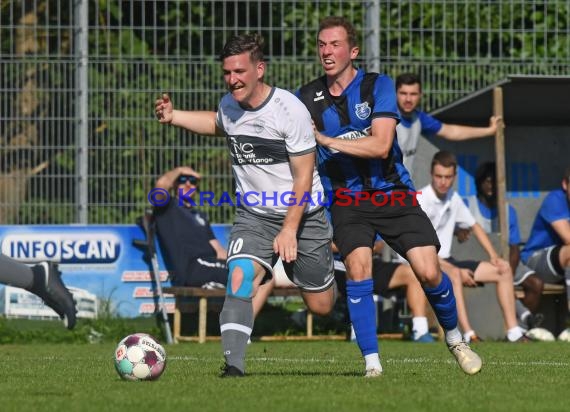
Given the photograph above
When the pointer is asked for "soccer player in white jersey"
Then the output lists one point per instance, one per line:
(272, 146)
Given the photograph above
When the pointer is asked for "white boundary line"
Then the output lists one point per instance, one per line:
(387, 361)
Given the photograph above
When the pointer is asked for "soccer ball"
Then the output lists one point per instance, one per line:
(541, 334)
(564, 335)
(140, 357)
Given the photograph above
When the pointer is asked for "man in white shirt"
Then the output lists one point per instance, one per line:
(445, 209)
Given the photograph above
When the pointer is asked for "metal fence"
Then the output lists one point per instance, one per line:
(78, 141)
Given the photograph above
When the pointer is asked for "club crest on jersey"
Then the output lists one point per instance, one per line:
(318, 96)
(362, 110)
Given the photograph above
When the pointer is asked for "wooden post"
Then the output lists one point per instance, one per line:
(309, 324)
(202, 319)
(177, 321)
(501, 175)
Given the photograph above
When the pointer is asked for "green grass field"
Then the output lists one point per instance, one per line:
(289, 376)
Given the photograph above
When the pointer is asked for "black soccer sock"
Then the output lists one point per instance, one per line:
(236, 324)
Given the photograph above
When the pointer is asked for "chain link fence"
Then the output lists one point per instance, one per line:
(78, 80)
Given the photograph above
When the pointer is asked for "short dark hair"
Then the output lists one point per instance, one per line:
(408, 79)
(485, 170)
(445, 159)
(337, 21)
(567, 174)
(251, 43)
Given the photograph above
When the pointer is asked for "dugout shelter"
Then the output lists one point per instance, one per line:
(534, 155)
(536, 112)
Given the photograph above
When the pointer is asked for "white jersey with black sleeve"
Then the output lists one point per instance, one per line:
(261, 141)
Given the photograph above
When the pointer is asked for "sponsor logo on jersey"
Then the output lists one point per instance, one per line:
(362, 110)
(255, 150)
(354, 134)
(100, 248)
(351, 135)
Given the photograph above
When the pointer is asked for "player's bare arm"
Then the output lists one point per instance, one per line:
(458, 132)
(514, 256)
(484, 241)
(285, 243)
(562, 228)
(199, 122)
(221, 252)
(377, 145)
(462, 234)
(486, 244)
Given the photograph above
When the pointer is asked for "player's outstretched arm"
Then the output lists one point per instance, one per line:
(199, 122)
(458, 132)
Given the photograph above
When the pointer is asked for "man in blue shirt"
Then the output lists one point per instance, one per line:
(547, 250)
(484, 208)
(415, 122)
(360, 163)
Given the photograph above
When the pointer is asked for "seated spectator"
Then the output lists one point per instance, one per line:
(43, 280)
(390, 276)
(483, 207)
(547, 250)
(445, 209)
(190, 249)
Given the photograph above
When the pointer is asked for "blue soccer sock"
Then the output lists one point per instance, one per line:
(362, 314)
(442, 300)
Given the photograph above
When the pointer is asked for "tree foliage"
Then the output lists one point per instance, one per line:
(140, 49)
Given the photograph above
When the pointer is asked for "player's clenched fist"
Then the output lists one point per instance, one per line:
(163, 109)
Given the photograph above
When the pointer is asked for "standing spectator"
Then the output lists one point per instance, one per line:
(416, 122)
(446, 210)
(355, 116)
(272, 148)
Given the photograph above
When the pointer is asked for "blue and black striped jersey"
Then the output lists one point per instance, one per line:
(349, 116)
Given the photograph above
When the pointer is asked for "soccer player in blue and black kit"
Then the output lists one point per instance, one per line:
(355, 116)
